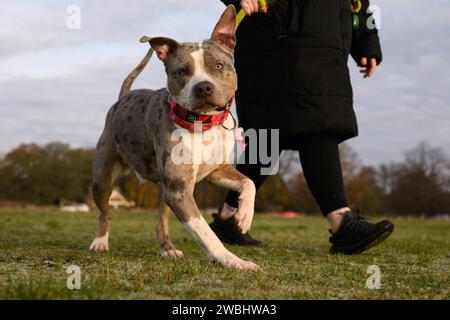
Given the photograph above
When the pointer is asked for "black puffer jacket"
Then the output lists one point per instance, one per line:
(292, 66)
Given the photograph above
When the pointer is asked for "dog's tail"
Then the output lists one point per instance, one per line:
(128, 82)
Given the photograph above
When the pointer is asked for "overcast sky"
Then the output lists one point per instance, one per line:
(57, 83)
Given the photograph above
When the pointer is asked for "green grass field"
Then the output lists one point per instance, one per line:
(37, 247)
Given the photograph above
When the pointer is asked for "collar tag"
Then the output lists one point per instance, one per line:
(191, 117)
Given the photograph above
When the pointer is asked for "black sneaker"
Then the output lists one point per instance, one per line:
(356, 235)
(229, 232)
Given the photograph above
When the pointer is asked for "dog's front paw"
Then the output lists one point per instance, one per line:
(230, 260)
(99, 244)
(244, 265)
(244, 216)
(246, 210)
(172, 253)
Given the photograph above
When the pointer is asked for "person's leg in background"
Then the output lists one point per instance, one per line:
(319, 156)
(321, 163)
(320, 159)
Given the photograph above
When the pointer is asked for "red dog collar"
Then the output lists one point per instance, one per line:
(186, 119)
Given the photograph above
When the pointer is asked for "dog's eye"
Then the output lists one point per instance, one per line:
(182, 71)
(219, 66)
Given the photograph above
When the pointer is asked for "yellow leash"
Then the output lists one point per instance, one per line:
(262, 3)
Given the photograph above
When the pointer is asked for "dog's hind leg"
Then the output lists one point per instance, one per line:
(108, 167)
(162, 229)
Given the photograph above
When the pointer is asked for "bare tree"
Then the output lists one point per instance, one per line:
(420, 185)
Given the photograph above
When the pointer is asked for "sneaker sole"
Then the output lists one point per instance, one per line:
(366, 244)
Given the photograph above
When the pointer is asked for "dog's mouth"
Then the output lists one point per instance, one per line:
(207, 108)
(210, 106)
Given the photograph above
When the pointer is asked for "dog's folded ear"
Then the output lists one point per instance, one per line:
(163, 47)
(145, 39)
(225, 30)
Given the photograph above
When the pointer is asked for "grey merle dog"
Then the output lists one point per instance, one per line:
(138, 136)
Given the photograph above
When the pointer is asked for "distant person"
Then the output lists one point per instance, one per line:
(291, 60)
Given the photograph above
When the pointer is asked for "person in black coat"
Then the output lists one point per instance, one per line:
(291, 60)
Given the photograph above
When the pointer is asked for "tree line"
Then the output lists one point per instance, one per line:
(417, 185)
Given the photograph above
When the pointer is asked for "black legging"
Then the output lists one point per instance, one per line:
(319, 156)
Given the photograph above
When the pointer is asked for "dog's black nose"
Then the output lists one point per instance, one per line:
(203, 89)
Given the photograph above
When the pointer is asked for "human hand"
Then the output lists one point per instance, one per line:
(368, 67)
(252, 6)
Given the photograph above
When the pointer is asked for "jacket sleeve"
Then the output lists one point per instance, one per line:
(233, 2)
(365, 40)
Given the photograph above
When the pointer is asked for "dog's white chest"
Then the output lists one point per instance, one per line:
(214, 146)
